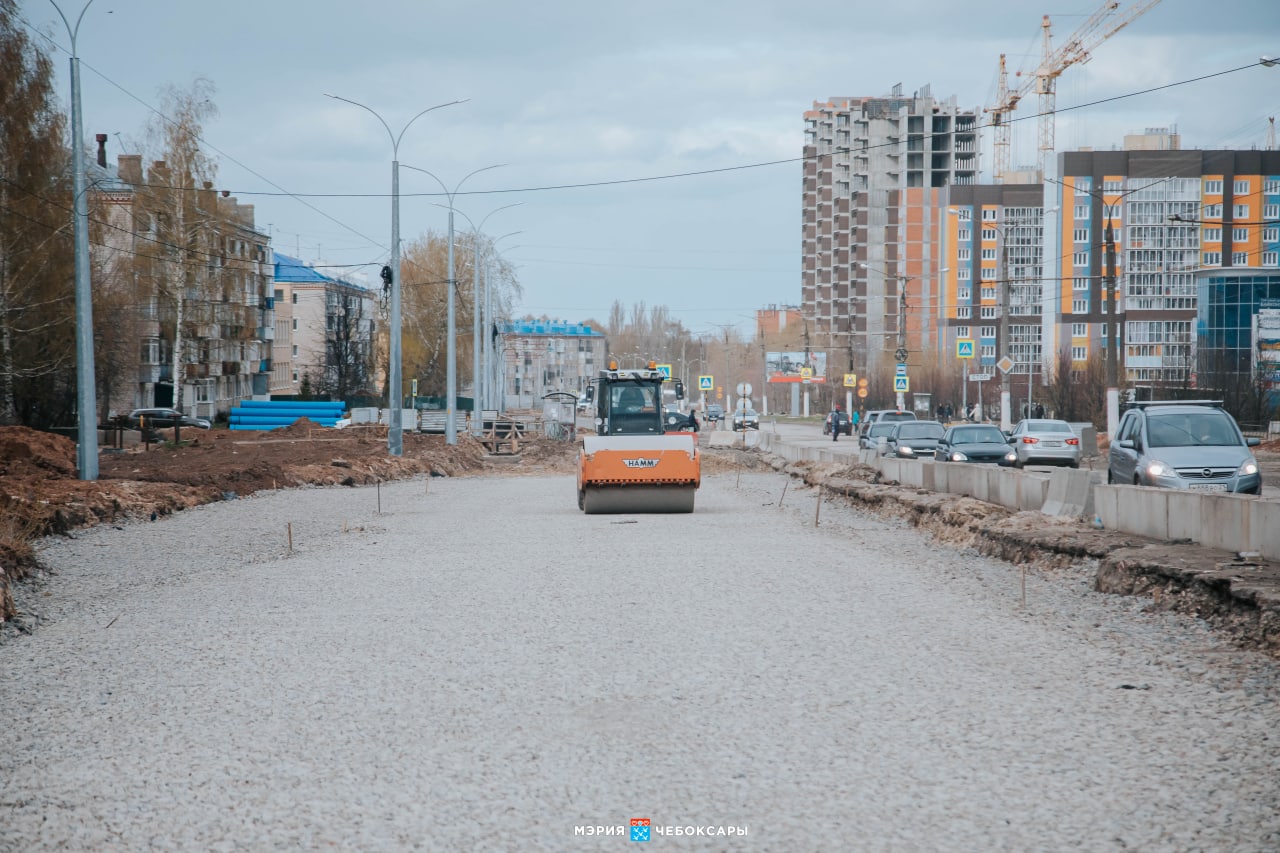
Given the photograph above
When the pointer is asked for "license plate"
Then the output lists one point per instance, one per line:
(1053, 444)
(1207, 487)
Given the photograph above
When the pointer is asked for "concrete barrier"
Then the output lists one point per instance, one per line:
(1144, 511)
(1106, 505)
(1184, 515)
(1069, 493)
(1224, 522)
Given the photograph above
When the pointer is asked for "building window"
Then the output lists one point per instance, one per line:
(963, 275)
(1079, 353)
(295, 376)
(1079, 306)
(1239, 235)
(1080, 285)
(1240, 211)
(964, 214)
(964, 235)
(1112, 187)
(295, 324)
(988, 293)
(293, 297)
(988, 312)
(1212, 235)
(989, 214)
(1239, 259)
(1269, 259)
(962, 332)
(986, 331)
(1079, 330)
(963, 255)
(1213, 187)
(964, 294)
(1241, 187)
(1211, 259)
(988, 254)
(1080, 259)
(1271, 211)
(989, 234)
(1213, 211)
(1081, 211)
(1270, 235)
(963, 312)
(295, 350)
(988, 353)
(1081, 235)
(1272, 186)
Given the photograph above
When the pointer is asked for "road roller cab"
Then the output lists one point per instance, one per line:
(632, 464)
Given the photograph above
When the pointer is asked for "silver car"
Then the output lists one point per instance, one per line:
(1192, 445)
(1037, 440)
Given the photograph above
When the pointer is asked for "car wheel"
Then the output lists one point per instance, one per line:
(1136, 481)
(1074, 465)
(1110, 479)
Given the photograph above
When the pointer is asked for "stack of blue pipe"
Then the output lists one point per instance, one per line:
(273, 414)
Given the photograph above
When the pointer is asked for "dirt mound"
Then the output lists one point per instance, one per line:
(26, 453)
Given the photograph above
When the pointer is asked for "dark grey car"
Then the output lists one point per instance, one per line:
(914, 439)
(974, 443)
(162, 418)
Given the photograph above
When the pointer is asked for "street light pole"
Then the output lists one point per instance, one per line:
(490, 362)
(451, 344)
(86, 396)
(477, 426)
(395, 395)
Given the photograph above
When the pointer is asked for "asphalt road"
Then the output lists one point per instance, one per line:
(482, 667)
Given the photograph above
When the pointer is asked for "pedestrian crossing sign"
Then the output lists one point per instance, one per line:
(964, 348)
(665, 370)
(706, 383)
(901, 384)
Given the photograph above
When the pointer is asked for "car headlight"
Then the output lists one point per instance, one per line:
(1249, 466)
(906, 451)
(957, 456)
(1011, 456)
(1157, 468)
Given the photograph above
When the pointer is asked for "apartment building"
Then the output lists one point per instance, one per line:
(861, 156)
(537, 357)
(325, 333)
(1197, 237)
(992, 245)
(196, 272)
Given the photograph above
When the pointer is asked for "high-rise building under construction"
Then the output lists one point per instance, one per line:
(857, 151)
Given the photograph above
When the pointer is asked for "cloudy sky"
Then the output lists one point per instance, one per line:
(619, 95)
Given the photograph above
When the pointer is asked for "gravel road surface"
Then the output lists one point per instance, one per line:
(482, 667)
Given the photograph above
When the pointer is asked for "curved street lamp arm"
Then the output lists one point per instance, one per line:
(395, 140)
(447, 194)
(396, 145)
(72, 31)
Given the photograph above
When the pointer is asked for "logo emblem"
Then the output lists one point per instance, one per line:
(640, 829)
(640, 463)
(1207, 473)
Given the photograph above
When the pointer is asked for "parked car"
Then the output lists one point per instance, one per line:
(160, 418)
(869, 439)
(846, 423)
(675, 420)
(584, 403)
(875, 416)
(913, 439)
(1045, 441)
(1183, 444)
(974, 443)
(746, 419)
(715, 412)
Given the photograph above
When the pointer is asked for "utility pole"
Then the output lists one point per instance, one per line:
(1113, 336)
(1006, 285)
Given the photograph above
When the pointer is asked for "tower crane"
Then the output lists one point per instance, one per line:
(1105, 22)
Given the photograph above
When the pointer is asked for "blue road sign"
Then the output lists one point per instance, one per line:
(901, 384)
(964, 348)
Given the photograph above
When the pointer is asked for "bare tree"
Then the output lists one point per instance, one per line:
(37, 345)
